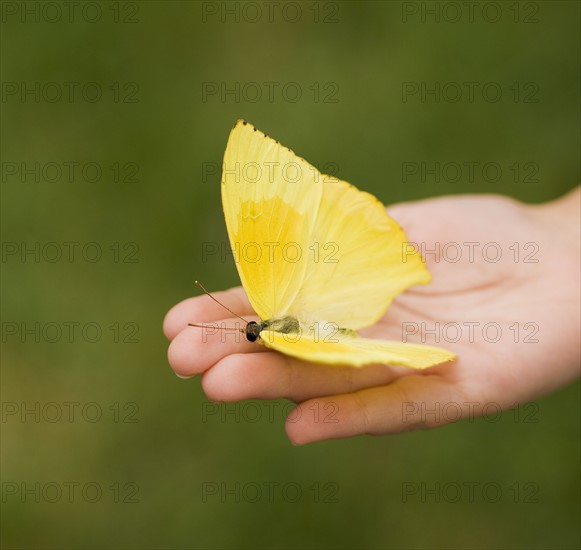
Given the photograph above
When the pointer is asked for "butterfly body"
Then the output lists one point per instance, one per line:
(293, 328)
(285, 325)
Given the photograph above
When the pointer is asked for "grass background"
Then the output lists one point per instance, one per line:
(163, 55)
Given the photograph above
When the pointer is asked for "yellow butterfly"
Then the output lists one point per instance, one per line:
(318, 258)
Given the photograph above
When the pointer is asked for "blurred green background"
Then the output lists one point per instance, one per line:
(144, 192)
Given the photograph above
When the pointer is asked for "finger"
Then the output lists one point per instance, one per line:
(203, 309)
(195, 349)
(411, 402)
(272, 375)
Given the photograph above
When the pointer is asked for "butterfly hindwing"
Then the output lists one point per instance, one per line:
(338, 348)
(360, 265)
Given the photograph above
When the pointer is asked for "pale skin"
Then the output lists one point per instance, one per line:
(537, 303)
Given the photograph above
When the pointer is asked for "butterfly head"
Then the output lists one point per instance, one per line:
(252, 331)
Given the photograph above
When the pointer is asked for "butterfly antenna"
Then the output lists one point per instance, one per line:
(201, 286)
(214, 326)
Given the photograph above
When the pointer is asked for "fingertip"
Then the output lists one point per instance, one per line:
(302, 426)
(216, 383)
(313, 420)
(186, 354)
(294, 433)
(178, 317)
(333, 417)
(167, 326)
(233, 378)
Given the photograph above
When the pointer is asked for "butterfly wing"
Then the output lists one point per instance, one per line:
(361, 265)
(338, 348)
(317, 249)
(270, 198)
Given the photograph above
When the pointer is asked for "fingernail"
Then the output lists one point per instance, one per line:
(184, 377)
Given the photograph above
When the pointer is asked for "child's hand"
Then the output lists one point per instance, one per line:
(514, 324)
